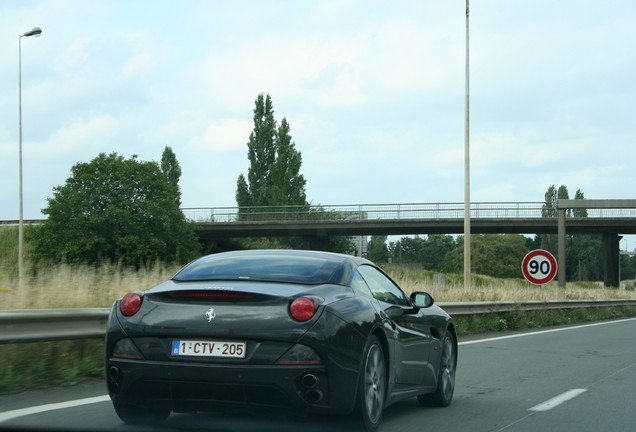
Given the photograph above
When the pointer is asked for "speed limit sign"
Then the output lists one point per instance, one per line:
(539, 267)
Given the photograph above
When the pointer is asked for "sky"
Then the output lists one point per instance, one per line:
(374, 92)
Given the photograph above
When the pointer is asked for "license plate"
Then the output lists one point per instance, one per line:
(199, 348)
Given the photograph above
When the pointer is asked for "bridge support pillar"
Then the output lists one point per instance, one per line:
(561, 248)
(611, 263)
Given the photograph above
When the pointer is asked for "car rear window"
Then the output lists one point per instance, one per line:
(265, 267)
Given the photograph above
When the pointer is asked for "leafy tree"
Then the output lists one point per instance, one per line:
(273, 177)
(377, 249)
(407, 249)
(628, 267)
(114, 208)
(549, 208)
(288, 185)
(534, 242)
(584, 257)
(563, 193)
(341, 244)
(497, 255)
(433, 253)
(579, 212)
(430, 251)
(171, 168)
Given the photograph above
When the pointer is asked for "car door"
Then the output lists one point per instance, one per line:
(412, 336)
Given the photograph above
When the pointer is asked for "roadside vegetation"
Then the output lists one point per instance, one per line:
(79, 285)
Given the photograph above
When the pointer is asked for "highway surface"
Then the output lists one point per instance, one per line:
(579, 378)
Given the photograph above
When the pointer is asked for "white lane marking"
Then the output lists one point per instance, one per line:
(558, 400)
(9, 415)
(513, 336)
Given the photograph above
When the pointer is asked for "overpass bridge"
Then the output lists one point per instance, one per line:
(609, 218)
(315, 223)
(401, 219)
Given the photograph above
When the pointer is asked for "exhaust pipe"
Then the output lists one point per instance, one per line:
(113, 373)
(309, 381)
(313, 396)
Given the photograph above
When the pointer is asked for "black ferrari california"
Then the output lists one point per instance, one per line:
(306, 331)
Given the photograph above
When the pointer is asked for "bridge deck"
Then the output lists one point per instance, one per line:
(414, 226)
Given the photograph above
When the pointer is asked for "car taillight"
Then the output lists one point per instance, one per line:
(303, 308)
(130, 304)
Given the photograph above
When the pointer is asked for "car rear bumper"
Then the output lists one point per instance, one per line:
(200, 386)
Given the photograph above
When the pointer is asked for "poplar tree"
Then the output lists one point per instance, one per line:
(273, 177)
(288, 185)
(171, 168)
(549, 208)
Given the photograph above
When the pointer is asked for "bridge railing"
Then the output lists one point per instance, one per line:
(383, 212)
(403, 211)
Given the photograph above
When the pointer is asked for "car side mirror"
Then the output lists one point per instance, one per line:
(422, 299)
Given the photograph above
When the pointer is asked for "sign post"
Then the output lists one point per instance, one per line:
(539, 267)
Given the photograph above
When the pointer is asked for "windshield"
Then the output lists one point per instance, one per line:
(268, 267)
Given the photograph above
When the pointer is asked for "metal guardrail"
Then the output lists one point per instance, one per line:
(18, 326)
(479, 308)
(36, 325)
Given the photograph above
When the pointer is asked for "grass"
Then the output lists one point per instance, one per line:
(42, 364)
(519, 320)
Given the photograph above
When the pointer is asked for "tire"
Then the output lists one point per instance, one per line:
(134, 414)
(443, 394)
(373, 385)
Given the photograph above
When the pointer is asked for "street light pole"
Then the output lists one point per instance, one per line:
(467, 264)
(36, 31)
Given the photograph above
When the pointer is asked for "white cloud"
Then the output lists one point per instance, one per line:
(80, 133)
(226, 135)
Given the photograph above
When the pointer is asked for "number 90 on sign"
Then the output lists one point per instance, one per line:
(539, 267)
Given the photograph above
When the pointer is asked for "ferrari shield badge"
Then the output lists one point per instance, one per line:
(210, 314)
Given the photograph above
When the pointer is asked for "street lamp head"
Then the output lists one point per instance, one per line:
(36, 31)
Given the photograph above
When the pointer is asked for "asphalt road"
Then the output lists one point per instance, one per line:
(580, 378)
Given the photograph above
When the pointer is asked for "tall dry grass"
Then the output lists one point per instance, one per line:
(492, 289)
(71, 286)
(68, 285)
(74, 286)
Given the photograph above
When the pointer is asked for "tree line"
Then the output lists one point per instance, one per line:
(127, 211)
